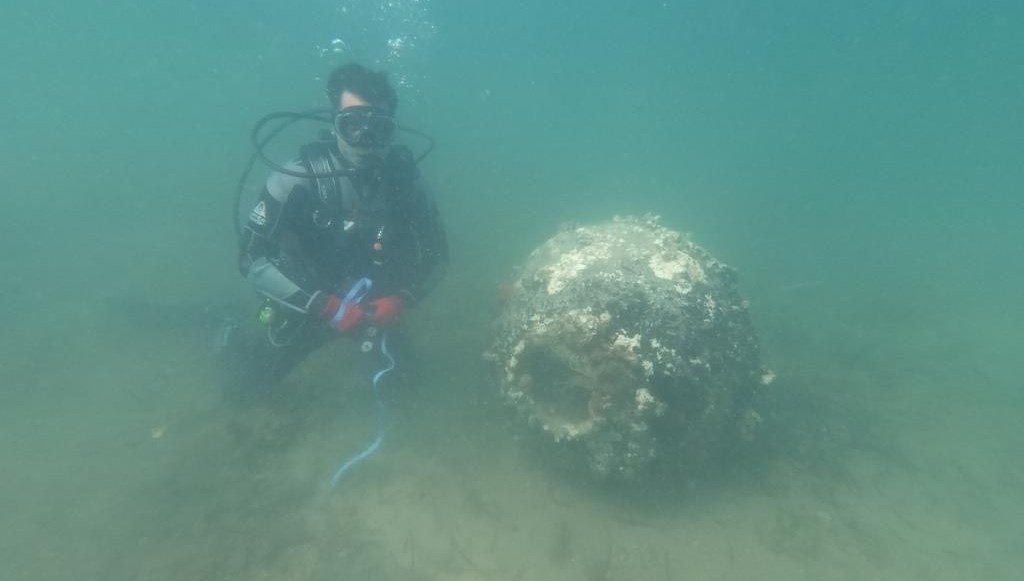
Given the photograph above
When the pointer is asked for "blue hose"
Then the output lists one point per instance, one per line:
(355, 295)
(381, 414)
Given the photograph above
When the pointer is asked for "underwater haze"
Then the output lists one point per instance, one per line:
(858, 163)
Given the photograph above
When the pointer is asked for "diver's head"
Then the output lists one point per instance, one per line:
(364, 118)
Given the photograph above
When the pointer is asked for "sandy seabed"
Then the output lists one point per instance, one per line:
(886, 456)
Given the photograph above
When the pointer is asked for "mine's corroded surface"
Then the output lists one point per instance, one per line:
(630, 344)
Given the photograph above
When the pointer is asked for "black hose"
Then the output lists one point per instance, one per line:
(259, 144)
(420, 134)
(321, 115)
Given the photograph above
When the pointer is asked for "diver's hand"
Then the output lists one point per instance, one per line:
(386, 310)
(343, 317)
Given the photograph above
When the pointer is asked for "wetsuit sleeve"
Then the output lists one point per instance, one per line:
(262, 253)
(429, 230)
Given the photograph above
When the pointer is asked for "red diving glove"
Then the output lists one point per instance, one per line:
(386, 310)
(352, 315)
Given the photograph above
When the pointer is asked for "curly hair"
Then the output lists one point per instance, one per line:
(372, 86)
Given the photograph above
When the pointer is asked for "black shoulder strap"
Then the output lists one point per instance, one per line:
(320, 163)
(400, 173)
(335, 194)
(400, 165)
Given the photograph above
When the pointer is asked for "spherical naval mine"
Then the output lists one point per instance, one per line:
(629, 345)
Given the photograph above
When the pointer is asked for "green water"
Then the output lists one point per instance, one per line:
(858, 162)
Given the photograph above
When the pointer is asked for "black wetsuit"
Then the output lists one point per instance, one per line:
(308, 238)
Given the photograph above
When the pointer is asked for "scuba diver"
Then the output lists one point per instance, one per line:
(343, 240)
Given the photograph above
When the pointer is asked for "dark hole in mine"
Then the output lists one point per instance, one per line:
(556, 386)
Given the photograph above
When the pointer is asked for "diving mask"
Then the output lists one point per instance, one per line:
(364, 126)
